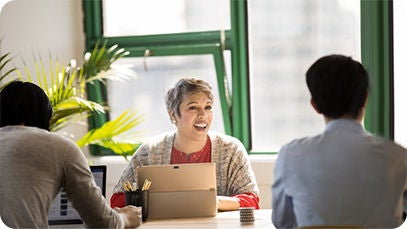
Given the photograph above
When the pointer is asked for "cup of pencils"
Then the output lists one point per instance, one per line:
(138, 197)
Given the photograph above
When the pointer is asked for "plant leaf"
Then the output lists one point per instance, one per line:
(108, 134)
(65, 88)
(68, 108)
(5, 61)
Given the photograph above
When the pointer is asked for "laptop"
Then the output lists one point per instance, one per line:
(180, 190)
(61, 211)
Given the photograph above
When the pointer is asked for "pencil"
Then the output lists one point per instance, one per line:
(129, 186)
(125, 187)
(146, 185)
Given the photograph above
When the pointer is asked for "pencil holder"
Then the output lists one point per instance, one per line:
(138, 198)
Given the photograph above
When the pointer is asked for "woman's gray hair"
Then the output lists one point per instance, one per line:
(184, 87)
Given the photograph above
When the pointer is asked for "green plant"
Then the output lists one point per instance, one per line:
(66, 90)
(5, 61)
(107, 135)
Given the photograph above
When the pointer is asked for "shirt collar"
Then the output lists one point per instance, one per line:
(349, 124)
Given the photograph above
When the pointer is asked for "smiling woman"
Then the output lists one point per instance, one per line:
(189, 105)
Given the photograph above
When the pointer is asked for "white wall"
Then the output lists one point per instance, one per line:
(43, 27)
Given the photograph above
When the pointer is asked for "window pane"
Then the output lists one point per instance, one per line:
(146, 91)
(287, 37)
(400, 71)
(141, 17)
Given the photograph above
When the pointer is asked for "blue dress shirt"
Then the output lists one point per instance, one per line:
(344, 176)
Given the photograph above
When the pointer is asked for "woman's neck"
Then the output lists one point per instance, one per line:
(189, 145)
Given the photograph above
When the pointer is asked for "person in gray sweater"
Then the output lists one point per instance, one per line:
(35, 164)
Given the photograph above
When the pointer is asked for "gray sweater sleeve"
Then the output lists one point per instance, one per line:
(84, 194)
(234, 172)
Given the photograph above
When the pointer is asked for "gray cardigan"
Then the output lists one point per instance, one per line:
(233, 169)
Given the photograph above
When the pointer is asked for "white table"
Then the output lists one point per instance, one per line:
(225, 220)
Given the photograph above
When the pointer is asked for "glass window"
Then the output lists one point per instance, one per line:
(286, 38)
(141, 17)
(146, 91)
(400, 71)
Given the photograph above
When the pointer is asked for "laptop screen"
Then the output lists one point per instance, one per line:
(61, 210)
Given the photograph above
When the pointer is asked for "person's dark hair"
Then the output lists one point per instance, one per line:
(24, 103)
(339, 85)
(185, 86)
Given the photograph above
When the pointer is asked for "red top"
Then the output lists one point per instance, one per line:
(202, 156)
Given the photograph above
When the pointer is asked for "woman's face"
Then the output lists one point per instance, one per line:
(195, 115)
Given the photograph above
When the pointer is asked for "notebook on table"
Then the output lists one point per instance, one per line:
(180, 190)
(61, 211)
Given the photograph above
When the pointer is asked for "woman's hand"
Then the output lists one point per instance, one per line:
(227, 203)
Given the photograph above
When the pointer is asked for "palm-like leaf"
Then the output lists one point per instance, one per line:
(65, 88)
(71, 110)
(120, 146)
(100, 60)
(65, 99)
(115, 73)
(107, 135)
(5, 61)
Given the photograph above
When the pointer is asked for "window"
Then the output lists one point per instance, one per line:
(182, 52)
(257, 60)
(141, 17)
(377, 56)
(286, 38)
(400, 71)
(154, 76)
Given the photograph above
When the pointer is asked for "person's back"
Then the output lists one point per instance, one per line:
(35, 164)
(344, 176)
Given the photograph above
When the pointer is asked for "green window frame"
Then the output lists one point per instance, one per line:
(377, 57)
(376, 48)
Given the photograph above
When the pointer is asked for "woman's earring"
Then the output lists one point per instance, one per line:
(173, 119)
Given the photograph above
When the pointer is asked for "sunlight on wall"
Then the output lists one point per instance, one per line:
(2, 3)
